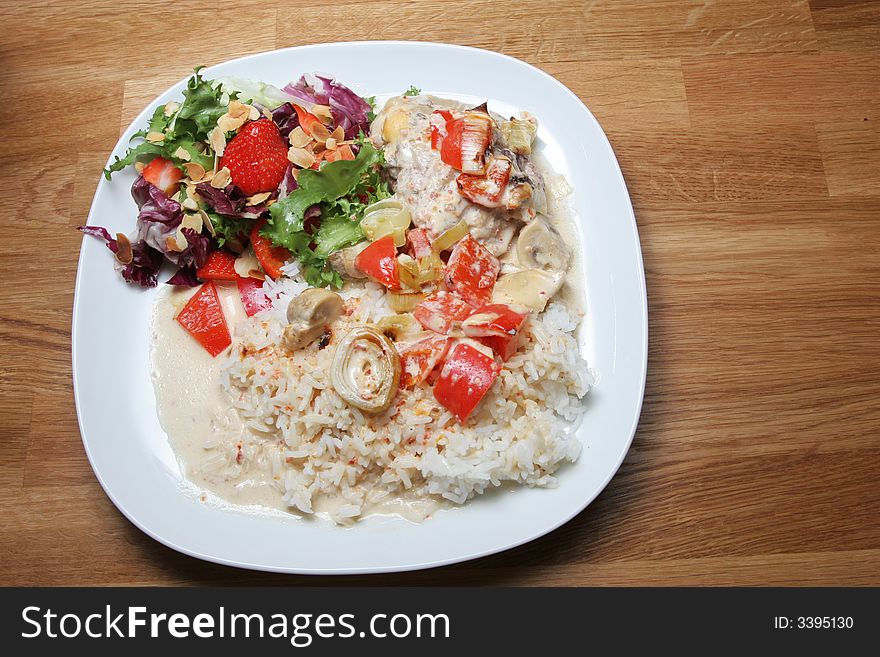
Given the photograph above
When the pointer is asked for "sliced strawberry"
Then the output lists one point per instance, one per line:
(441, 311)
(256, 157)
(498, 326)
(471, 271)
(418, 360)
(272, 258)
(163, 174)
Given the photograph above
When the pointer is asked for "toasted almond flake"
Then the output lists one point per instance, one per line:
(320, 132)
(193, 221)
(176, 242)
(237, 109)
(194, 171)
(322, 112)
(267, 114)
(298, 137)
(176, 196)
(190, 204)
(208, 176)
(182, 154)
(259, 274)
(256, 199)
(217, 141)
(207, 223)
(331, 144)
(254, 113)
(228, 123)
(139, 167)
(155, 137)
(246, 262)
(338, 134)
(171, 107)
(300, 157)
(221, 178)
(271, 202)
(123, 245)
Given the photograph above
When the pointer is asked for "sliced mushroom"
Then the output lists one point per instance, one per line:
(366, 370)
(531, 288)
(309, 314)
(343, 260)
(540, 247)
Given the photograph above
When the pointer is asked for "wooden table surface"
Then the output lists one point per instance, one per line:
(748, 135)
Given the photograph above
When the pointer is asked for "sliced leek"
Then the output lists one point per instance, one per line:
(401, 302)
(519, 135)
(447, 239)
(386, 217)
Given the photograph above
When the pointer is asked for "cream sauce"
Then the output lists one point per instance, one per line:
(197, 414)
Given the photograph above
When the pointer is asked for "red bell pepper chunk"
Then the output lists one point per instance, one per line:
(497, 326)
(203, 318)
(486, 190)
(441, 311)
(307, 120)
(379, 262)
(464, 380)
(471, 271)
(438, 121)
(272, 258)
(252, 296)
(450, 148)
(220, 266)
(418, 244)
(419, 360)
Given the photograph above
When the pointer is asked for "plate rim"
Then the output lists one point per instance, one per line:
(408, 567)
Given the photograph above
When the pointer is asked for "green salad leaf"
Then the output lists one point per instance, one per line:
(412, 91)
(342, 189)
(186, 128)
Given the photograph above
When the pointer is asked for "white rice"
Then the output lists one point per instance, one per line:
(303, 437)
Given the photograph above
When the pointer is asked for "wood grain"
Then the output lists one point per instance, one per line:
(747, 133)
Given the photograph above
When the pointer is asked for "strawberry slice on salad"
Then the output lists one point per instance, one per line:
(256, 157)
(163, 174)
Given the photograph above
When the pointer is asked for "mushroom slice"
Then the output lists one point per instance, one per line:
(366, 370)
(531, 288)
(309, 314)
(540, 247)
(343, 260)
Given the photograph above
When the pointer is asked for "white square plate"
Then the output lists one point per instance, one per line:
(129, 451)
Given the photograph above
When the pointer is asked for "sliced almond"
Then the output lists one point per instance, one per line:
(171, 107)
(254, 113)
(217, 141)
(338, 134)
(323, 113)
(173, 242)
(123, 246)
(176, 196)
(221, 178)
(237, 109)
(320, 132)
(246, 263)
(267, 114)
(259, 274)
(228, 123)
(155, 137)
(193, 221)
(256, 199)
(194, 171)
(298, 137)
(330, 144)
(182, 154)
(139, 167)
(189, 204)
(300, 157)
(207, 223)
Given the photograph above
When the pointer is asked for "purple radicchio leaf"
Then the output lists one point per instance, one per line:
(288, 183)
(347, 108)
(230, 201)
(185, 276)
(286, 119)
(145, 261)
